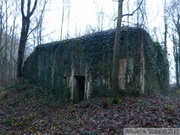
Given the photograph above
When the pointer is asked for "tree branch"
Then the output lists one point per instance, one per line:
(34, 28)
(39, 21)
(22, 8)
(134, 10)
(34, 7)
(28, 7)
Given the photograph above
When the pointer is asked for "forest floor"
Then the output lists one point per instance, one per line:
(27, 109)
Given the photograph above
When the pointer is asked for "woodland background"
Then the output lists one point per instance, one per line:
(58, 20)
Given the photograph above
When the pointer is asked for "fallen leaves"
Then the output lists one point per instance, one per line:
(30, 109)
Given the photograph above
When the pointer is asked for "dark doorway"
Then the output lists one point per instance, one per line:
(79, 88)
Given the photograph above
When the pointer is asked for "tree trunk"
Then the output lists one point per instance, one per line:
(24, 33)
(22, 44)
(118, 49)
(176, 59)
(178, 63)
(165, 38)
(62, 19)
(177, 72)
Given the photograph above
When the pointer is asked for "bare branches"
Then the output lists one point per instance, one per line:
(22, 8)
(29, 13)
(8, 40)
(40, 20)
(34, 7)
(132, 12)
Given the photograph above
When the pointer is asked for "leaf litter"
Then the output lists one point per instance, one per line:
(31, 109)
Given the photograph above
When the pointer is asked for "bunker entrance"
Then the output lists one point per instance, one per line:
(79, 88)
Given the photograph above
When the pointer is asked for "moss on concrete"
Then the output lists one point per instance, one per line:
(55, 64)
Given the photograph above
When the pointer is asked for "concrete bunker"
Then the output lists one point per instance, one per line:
(79, 88)
(81, 68)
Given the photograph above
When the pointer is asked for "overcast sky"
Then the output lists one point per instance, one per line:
(83, 13)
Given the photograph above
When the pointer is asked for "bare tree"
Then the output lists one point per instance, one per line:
(8, 40)
(174, 19)
(68, 16)
(176, 59)
(24, 32)
(118, 50)
(99, 15)
(37, 20)
(165, 27)
(65, 14)
(62, 18)
(141, 16)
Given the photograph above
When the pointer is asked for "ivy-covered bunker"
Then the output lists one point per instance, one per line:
(81, 68)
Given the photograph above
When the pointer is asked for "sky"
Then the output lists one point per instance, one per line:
(83, 13)
(83, 16)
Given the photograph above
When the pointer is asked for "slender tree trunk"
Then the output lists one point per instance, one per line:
(177, 72)
(1, 40)
(11, 50)
(128, 12)
(165, 27)
(138, 16)
(68, 17)
(178, 63)
(22, 44)
(6, 45)
(118, 49)
(176, 59)
(177, 24)
(62, 18)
